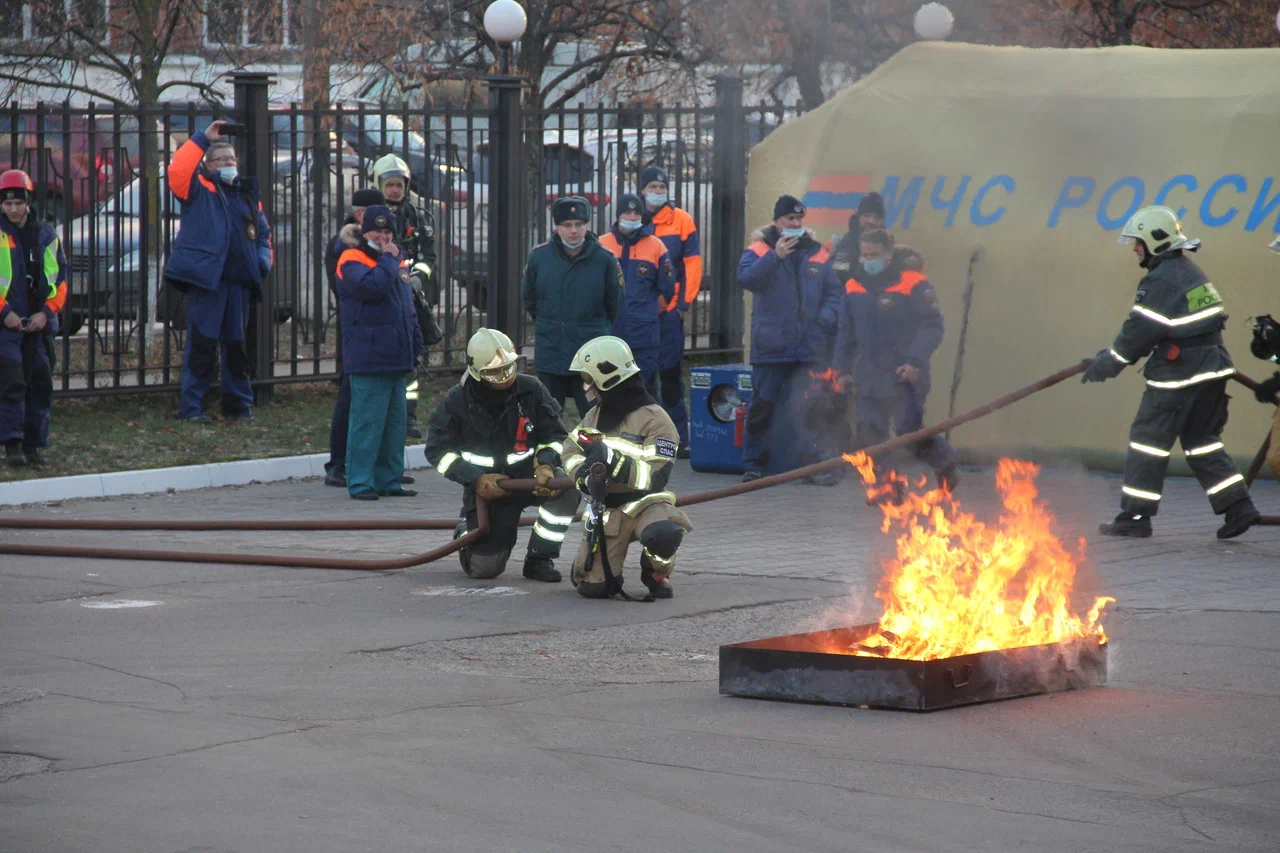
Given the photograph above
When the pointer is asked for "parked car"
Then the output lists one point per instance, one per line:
(80, 161)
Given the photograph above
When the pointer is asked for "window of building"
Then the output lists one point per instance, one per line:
(252, 24)
(47, 19)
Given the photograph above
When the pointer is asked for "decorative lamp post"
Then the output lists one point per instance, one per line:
(933, 21)
(505, 22)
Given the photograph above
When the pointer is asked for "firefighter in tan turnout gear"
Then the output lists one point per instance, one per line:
(1176, 324)
(621, 457)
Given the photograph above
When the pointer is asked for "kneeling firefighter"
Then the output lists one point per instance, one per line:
(621, 457)
(498, 425)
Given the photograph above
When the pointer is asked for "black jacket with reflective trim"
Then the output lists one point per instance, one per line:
(1176, 324)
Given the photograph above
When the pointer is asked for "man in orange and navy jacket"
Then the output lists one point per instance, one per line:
(890, 327)
(220, 258)
(650, 281)
(33, 289)
(676, 229)
(794, 314)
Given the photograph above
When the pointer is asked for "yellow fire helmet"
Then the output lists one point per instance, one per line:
(1159, 228)
(491, 358)
(606, 360)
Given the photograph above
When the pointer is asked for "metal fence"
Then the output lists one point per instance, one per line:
(100, 177)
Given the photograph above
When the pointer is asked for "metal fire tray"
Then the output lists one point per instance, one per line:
(800, 668)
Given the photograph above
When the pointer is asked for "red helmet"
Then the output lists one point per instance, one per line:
(16, 183)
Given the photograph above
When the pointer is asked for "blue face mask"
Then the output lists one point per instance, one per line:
(656, 199)
(630, 226)
(228, 174)
(875, 266)
(573, 246)
(793, 232)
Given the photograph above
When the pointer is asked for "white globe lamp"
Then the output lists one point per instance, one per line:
(505, 21)
(933, 22)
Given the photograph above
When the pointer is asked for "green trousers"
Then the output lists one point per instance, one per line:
(375, 432)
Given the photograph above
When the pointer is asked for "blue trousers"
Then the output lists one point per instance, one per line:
(216, 321)
(775, 388)
(26, 388)
(338, 425)
(904, 413)
(375, 435)
(671, 370)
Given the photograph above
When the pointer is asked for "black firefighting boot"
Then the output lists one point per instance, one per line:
(13, 454)
(682, 452)
(541, 569)
(658, 587)
(36, 459)
(823, 478)
(751, 474)
(411, 419)
(1241, 515)
(336, 476)
(1128, 524)
(948, 479)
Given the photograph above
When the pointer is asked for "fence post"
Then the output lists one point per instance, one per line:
(251, 107)
(506, 190)
(728, 211)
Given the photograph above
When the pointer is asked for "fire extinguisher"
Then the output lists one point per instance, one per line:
(740, 425)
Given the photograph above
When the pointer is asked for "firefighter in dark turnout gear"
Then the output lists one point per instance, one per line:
(636, 441)
(1176, 324)
(498, 425)
(416, 237)
(33, 289)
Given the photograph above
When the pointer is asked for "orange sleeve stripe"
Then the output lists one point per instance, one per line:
(907, 282)
(650, 249)
(760, 247)
(852, 286)
(354, 256)
(183, 168)
(3, 302)
(687, 225)
(59, 298)
(611, 243)
(820, 257)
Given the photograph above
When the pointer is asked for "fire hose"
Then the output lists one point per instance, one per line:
(482, 514)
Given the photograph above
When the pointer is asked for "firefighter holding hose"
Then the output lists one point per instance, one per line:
(498, 425)
(1176, 324)
(621, 456)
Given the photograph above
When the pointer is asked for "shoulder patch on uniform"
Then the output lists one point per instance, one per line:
(668, 268)
(1141, 295)
(632, 437)
(665, 447)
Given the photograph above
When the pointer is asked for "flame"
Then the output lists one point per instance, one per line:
(960, 586)
(830, 376)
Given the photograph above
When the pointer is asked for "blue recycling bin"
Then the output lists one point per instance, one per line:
(718, 399)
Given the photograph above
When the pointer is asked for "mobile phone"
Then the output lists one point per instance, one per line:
(231, 128)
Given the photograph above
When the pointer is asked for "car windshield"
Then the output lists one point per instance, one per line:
(127, 201)
(388, 131)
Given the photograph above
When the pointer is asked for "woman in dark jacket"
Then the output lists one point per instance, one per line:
(381, 343)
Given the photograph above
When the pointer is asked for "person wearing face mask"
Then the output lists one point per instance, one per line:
(846, 252)
(634, 440)
(651, 285)
(1176, 324)
(33, 289)
(381, 346)
(498, 424)
(890, 327)
(221, 257)
(574, 290)
(676, 229)
(794, 313)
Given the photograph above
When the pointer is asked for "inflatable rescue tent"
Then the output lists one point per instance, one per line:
(1034, 159)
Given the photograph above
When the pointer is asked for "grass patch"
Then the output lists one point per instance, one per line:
(129, 433)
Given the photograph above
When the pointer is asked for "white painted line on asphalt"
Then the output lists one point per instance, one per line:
(119, 604)
(458, 591)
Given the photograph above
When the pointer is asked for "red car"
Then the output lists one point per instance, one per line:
(80, 167)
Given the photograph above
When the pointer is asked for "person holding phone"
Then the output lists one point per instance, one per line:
(794, 314)
(221, 256)
(381, 346)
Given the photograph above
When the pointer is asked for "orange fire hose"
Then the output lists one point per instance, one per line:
(523, 485)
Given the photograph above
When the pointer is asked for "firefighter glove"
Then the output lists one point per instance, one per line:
(544, 474)
(1099, 369)
(487, 487)
(598, 452)
(1268, 389)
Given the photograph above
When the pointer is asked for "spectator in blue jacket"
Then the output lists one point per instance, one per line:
(794, 313)
(381, 344)
(220, 258)
(573, 290)
(890, 327)
(650, 280)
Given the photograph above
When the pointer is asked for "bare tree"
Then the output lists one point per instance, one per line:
(1150, 23)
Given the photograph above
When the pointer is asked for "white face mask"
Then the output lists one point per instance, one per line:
(630, 226)
(228, 174)
(793, 232)
(656, 199)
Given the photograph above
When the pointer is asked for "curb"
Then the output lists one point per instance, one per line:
(180, 479)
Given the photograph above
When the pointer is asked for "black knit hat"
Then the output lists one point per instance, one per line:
(786, 206)
(570, 207)
(629, 203)
(871, 203)
(367, 197)
(378, 218)
(651, 174)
